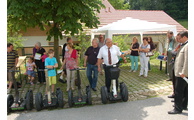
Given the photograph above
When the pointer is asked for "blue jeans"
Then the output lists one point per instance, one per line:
(92, 74)
(134, 60)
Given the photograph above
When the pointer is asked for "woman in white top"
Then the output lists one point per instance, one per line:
(143, 49)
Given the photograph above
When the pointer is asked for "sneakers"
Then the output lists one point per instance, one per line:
(139, 75)
(130, 70)
(31, 83)
(8, 91)
(134, 71)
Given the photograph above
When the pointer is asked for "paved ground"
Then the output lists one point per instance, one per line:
(149, 109)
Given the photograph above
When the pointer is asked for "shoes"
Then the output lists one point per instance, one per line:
(169, 80)
(130, 70)
(145, 76)
(8, 91)
(174, 112)
(134, 71)
(139, 75)
(38, 82)
(31, 83)
(73, 88)
(171, 96)
(94, 89)
(44, 83)
(62, 81)
(172, 100)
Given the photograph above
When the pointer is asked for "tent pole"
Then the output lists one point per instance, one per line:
(141, 37)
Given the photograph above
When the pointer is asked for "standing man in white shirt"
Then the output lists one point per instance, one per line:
(109, 53)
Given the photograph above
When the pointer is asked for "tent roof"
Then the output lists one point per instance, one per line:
(130, 25)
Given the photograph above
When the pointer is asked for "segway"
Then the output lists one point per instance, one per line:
(79, 99)
(48, 101)
(114, 95)
(19, 103)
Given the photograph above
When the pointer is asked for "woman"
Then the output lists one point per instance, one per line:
(143, 49)
(38, 52)
(134, 54)
(152, 48)
(71, 62)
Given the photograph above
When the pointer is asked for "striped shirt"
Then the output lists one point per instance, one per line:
(11, 57)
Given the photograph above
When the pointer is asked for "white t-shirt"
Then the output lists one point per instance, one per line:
(115, 52)
(30, 66)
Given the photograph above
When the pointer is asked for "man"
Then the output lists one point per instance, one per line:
(12, 60)
(170, 47)
(109, 53)
(181, 71)
(101, 41)
(69, 40)
(100, 44)
(91, 60)
(174, 53)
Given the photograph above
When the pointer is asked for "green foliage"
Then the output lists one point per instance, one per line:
(120, 4)
(84, 43)
(183, 22)
(123, 41)
(178, 9)
(13, 36)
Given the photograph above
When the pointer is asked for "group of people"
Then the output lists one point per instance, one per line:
(177, 66)
(139, 51)
(103, 55)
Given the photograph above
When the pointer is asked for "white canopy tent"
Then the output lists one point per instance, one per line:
(130, 25)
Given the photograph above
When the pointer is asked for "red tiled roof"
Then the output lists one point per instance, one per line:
(109, 14)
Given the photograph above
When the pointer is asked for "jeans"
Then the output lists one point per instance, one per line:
(92, 74)
(134, 60)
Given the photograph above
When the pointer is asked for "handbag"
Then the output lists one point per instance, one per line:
(150, 53)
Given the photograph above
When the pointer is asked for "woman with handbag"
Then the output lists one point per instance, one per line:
(71, 62)
(152, 48)
(143, 49)
(134, 54)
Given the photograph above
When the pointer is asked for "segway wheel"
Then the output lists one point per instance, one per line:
(38, 101)
(29, 100)
(89, 96)
(104, 94)
(60, 98)
(70, 98)
(124, 92)
(10, 101)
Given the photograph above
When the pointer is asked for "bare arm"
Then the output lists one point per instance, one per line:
(16, 61)
(99, 63)
(85, 60)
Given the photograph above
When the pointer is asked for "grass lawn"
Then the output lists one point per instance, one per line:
(183, 22)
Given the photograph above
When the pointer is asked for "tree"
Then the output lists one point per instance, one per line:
(120, 4)
(59, 15)
(13, 36)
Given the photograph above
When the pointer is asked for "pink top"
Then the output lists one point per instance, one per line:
(70, 62)
(44, 57)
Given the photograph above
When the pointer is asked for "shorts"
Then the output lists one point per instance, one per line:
(31, 73)
(52, 80)
(10, 74)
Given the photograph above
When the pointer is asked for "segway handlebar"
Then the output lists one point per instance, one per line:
(13, 70)
(77, 69)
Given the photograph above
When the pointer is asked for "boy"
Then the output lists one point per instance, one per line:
(51, 64)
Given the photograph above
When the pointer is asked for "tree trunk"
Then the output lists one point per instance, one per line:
(56, 49)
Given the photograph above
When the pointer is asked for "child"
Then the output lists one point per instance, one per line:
(30, 69)
(51, 64)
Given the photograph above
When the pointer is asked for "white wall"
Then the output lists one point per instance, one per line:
(31, 40)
